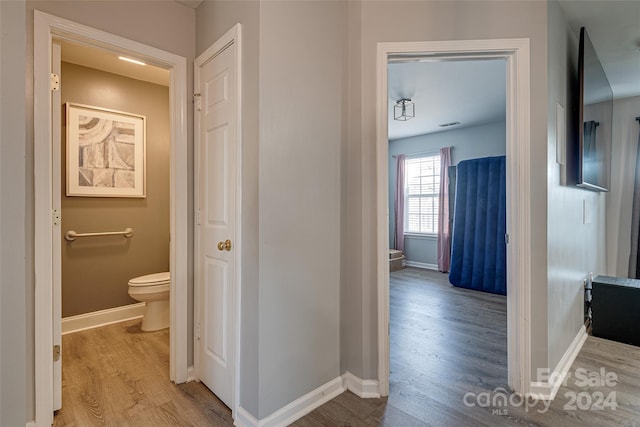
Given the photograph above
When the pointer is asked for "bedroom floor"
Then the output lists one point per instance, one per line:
(448, 342)
(444, 342)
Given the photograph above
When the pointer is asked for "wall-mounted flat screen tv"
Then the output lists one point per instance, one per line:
(595, 125)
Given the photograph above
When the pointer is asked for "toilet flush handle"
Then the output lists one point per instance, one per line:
(226, 245)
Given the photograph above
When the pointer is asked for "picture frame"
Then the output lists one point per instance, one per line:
(106, 152)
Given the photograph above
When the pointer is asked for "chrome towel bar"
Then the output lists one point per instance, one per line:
(71, 235)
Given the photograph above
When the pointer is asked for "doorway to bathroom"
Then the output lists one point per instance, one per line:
(114, 200)
(50, 226)
(116, 113)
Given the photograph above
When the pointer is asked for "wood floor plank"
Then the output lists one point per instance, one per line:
(118, 376)
(390, 416)
(445, 342)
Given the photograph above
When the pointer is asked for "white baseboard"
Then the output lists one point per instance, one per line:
(31, 424)
(245, 419)
(294, 410)
(362, 388)
(547, 390)
(421, 265)
(191, 373)
(96, 319)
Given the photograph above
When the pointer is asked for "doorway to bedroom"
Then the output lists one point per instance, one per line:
(447, 131)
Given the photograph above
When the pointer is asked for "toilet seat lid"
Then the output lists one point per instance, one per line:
(151, 279)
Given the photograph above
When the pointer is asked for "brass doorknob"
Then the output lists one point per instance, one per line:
(226, 245)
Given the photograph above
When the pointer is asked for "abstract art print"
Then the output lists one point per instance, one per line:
(105, 152)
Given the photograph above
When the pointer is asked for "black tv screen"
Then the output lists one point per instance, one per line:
(594, 127)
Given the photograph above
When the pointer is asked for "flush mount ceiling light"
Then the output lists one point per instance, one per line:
(404, 110)
(133, 61)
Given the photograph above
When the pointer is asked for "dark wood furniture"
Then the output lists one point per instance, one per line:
(615, 307)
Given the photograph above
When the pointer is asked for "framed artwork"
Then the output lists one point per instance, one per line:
(106, 152)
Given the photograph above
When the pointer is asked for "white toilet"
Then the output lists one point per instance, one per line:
(153, 290)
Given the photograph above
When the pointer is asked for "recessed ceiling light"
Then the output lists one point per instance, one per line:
(444, 125)
(134, 61)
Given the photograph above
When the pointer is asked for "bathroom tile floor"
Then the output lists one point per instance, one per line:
(118, 376)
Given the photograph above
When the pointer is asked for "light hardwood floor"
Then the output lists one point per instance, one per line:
(445, 342)
(118, 376)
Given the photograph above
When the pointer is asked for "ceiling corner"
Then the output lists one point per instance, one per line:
(191, 3)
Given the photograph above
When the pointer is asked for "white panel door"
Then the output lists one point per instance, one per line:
(216, 220)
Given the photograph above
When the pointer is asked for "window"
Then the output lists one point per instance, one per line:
(422, 194)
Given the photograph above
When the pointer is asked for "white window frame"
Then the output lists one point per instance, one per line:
(435, 195)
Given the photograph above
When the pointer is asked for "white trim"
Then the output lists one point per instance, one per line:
(541, 390)
(244, 419)
(31, 424)
(45, 28)
(421, 265)
(547, 390)
(191, 374)
(361, 388)
(232, 36)
(294, 410)
(516, 53)
(237, 33)
(179, 185)
(305, 404)
(56, 129)
(43, 235)
(420, 236)
(96, 319)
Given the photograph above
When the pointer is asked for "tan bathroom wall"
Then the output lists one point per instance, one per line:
(95, 270)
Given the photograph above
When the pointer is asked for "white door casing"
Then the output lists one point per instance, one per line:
(217, 100)
(516, 54)
(46, 29)
(56, 179)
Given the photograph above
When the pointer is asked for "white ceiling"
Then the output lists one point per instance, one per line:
(470, 92)
(108, 61)
(474, 92)
(614, 30)
(191, 3)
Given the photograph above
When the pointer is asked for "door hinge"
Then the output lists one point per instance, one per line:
(56, 352)
(55, 216)
(506, 239)
(197, 100)
(55, 82)
(198, 331)
(198, 216)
